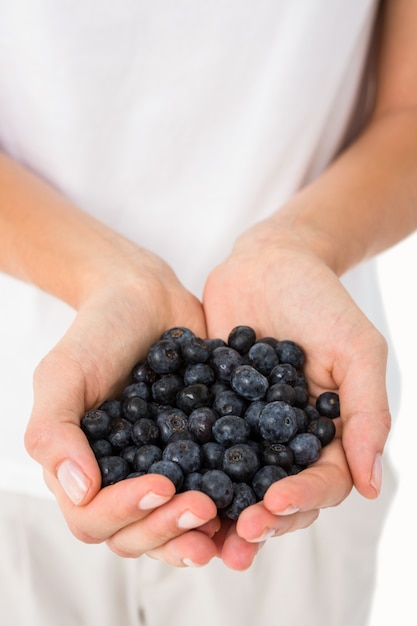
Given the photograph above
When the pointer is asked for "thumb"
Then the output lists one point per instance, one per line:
(53, 436)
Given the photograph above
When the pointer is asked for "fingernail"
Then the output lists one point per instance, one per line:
(376, 478)
(189, 563)
(290, 510)
(152, 500)
(189, 520)
(267, 534)
(73, 481)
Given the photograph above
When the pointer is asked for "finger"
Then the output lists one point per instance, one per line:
(186, 511)
(191, 549)
(236, 553)
(366, 416)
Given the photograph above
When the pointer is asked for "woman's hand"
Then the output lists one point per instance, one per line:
(275, 283)
(114, 326)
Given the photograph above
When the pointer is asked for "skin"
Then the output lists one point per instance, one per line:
(364, 203)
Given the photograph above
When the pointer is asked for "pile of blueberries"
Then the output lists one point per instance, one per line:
(227, 418)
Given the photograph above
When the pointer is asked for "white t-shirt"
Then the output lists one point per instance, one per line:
(178, 124)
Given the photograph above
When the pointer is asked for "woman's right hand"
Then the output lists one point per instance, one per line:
(138, 298)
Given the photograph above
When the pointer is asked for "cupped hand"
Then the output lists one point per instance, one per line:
(273, 282)
(113, 330)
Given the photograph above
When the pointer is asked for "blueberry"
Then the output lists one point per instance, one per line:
(215, 343)
(200, 423)
(195, 350)
(192, 397)
(141, 390)
(223, 361)
(281, 391)
(263, 357)
(240, 462)
(145, 431)
(271, 341)
(252, 415)
(228, 402)
(169, 421)
(243, 497)
(283, 373)
(248, 382)
(323, 428)
(192, 482)
(328, 405)
(133, 408)
(302, 419)
(96, 424)
(241, 338)
(186, 453)
(306, 448)
(164, 357)
(120, 433)
(199, 373)
(218, 486)
(113, 408)
(113, 469)
(101, 447)
(311, 412)
(213, 453)
(278, 422)
(165, 389)
(145, 456)
(301, 396)
(278, 454)
(143, 373)
(178, 334)
(171, 470)
(231, 429)
(290, 352)
(265, 477)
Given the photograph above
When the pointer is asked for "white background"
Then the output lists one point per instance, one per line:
(396, 593)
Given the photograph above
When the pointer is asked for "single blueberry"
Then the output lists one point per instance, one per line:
(112, 408)
(192, 397)
(265, 477)
(248, 382)
(113, 469)
(178, 334)
(281, 391)
(240, 462)
(101, 447)
(171, 470)
(145, 456)
(290, 352)
(277, 454)
(231, 429)
(302, 396)
(128, 453)
(213, 453)
(195, 350)
(283, 373)
(241, 338)
(141, 390)
(96, 424)
(170, 420)
(192, 482)
(218, 486)
(165, 389)
(277, 422)
(145, 431)
(252, 415)
(133, 408)
(223, 361)
(186, 453)
(164, 356)
(328, 405)
(228, 402)
(143, 373)
(120, 433)
(199, 373)
(323, 428)
(306, 448)
(200, 423)
(263, 357)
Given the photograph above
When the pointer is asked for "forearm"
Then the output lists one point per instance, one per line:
(47, 241)
(365, 202)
